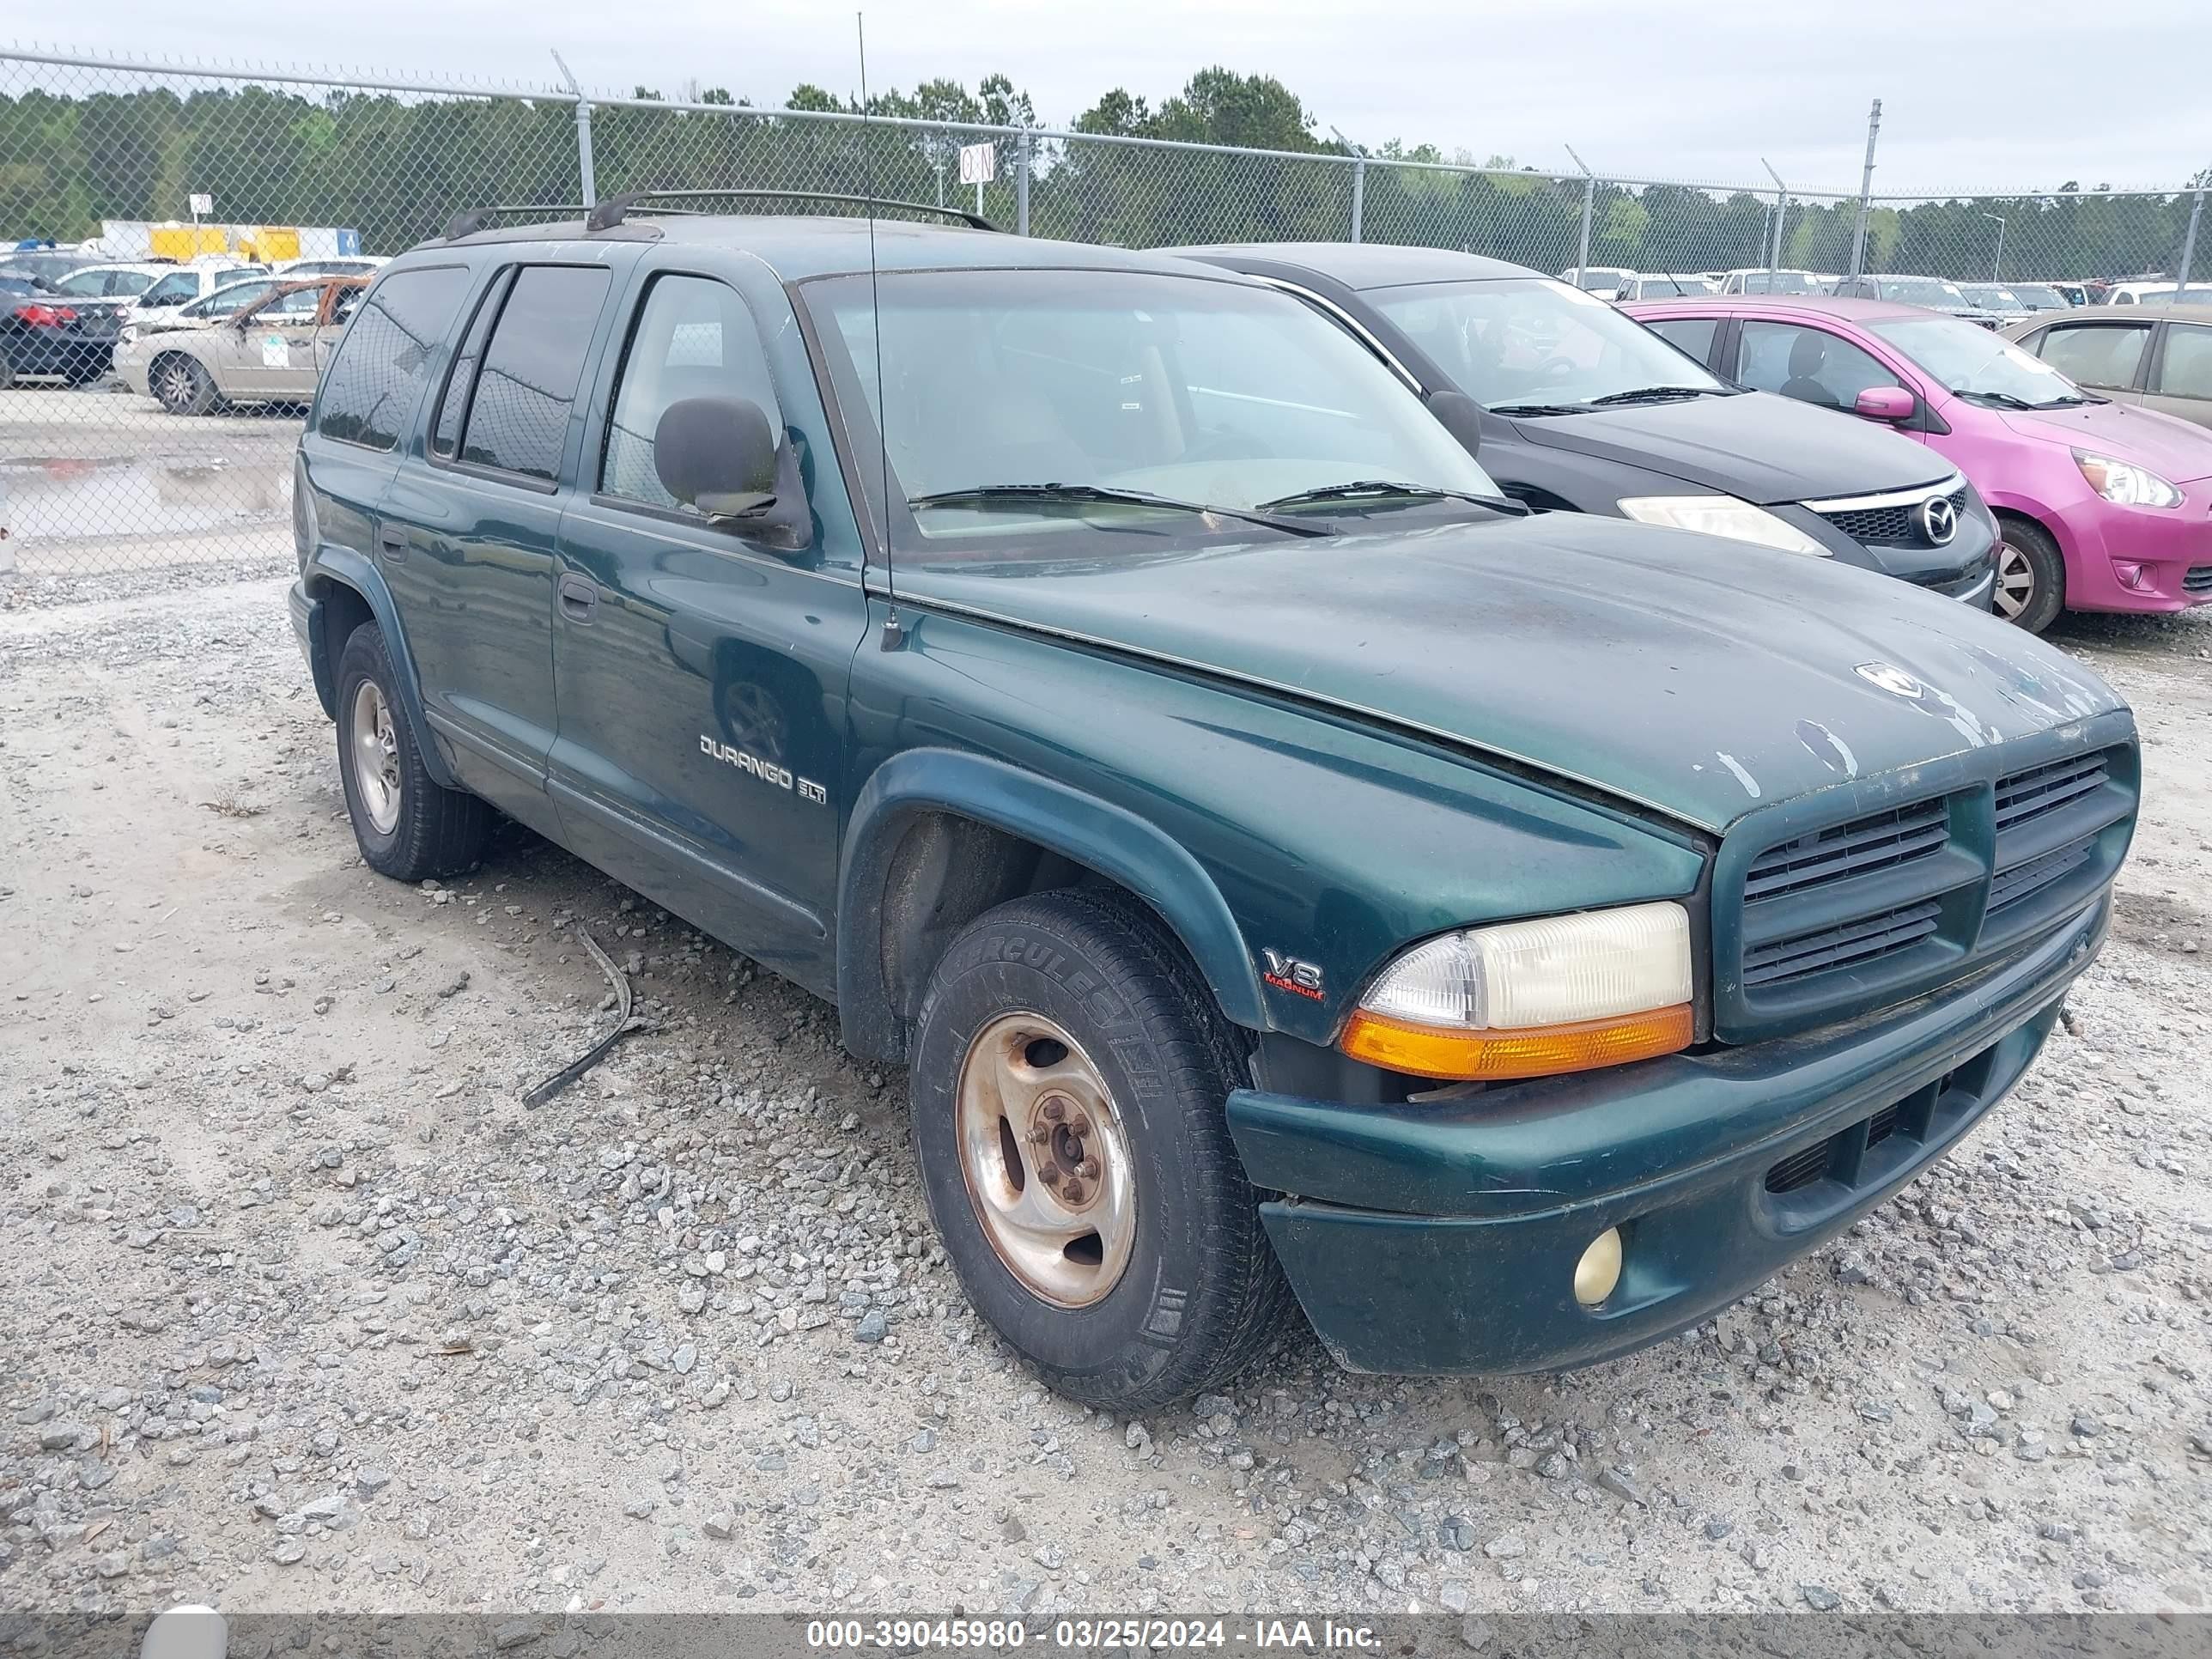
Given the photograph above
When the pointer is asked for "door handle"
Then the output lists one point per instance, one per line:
(580, 597)
(392, 539)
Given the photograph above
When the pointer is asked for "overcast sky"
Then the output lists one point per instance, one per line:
(2005, 94)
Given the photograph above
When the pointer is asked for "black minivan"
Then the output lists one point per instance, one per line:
(1582, 409)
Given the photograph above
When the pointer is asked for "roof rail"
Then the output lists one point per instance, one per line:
(468, 223)
(614, 209)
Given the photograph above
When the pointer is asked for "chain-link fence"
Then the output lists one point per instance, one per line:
(122, 449)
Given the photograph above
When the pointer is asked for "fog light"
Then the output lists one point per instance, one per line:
(1599, 1270)
(2131, 575)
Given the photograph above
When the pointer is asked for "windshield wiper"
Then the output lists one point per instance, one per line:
(1014, 495)
(1378, 489)
(1659, 394)
(1524, 411)
(2002, 399)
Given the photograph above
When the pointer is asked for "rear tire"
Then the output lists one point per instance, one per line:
(182, 386)
(1069, 1070)
(409, 826)
(2031, 576)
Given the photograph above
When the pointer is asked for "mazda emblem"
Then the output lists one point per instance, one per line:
(1939, 520)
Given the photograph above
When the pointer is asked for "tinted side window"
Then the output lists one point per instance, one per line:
(693, 338)
(2097, 354)
(519, 416)
(371, 388)
(453, 408)
(1694, 334)
(2186, 370)
(1808, 364)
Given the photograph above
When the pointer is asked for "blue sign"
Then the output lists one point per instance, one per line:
(349, 241)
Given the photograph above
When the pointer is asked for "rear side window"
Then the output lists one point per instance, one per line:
(2187, 370)
(2097, 354)
(1694, 334)
(517, 417)
(693, 338)
(453, 408)
(371, 388)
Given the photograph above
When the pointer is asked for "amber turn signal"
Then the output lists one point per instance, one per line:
(1530, 1051)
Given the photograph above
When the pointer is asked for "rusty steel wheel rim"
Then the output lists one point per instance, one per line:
(1046, 1160)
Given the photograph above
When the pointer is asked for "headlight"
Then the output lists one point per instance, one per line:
(2124, 485)
(1531, 998)
(1723, 515)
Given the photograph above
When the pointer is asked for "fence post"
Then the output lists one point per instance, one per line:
(584, 153)
(1358, 193)
(1781, 214)
(2189, 243)
(1590, 203)
(1866, 193)
(1022, 157)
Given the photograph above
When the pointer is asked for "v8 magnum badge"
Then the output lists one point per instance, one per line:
(1292, 973)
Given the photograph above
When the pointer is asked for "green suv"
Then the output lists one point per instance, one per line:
(1285, 869)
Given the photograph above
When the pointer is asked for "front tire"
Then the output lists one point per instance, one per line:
(407, 825)
(1068, 1077)
(2030, 584)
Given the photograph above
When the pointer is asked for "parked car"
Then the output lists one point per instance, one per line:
(2039, 297)
(2074, 293)
(165, 302)
(1519, 937)
(2100, 507)
(1579, 409)
(2134, 293)
(2161, 359)
(47, 263)
(343, 264)
(116, 284)
(1763, 281)
(1997, 299)
(44, 337)
(1649, 285)
(1606, 281)
(269, 350)
(1931, 293)
(2180, 296)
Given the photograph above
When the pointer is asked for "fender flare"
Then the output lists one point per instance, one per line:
(342, 567)
(1095, 834)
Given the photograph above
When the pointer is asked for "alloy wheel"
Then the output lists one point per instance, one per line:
(2015, 588)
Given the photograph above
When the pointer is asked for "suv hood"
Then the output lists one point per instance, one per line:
(1683, 673)
(2175, 450)
(1763, 448)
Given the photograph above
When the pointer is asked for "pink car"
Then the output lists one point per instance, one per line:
(2102, 506)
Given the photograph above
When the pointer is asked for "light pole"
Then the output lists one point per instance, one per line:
(1996, 263)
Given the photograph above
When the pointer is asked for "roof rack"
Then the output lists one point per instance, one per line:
(613, 211)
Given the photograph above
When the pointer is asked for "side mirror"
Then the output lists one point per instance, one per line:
(1885, 403)
(718, 454)
(1459, 415)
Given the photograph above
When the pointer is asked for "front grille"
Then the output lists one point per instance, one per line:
(2198, 580)
(1800, 1169)
(1879, 841)
(1845, 918)
(1865, 939)
(1888, 527)
(2023, 881)
(2026, 796)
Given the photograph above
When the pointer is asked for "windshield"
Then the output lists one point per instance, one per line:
(1777, 282)
(236, 297)
(2038, 297)
(1923, 291)
(1185, 389)
(1989, 297)
(1525, 340)
(1975, 363)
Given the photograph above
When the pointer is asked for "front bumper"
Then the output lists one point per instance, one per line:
(1443, 1237)
(2137, 558)
(1965, 568)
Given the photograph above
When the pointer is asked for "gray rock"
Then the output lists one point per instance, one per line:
(1820, 1597)
(1508, 1548)
(872, 1328)
(1457, 1532)
(373, 1477)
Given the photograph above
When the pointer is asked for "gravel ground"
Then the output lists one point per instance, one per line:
(300, 1309)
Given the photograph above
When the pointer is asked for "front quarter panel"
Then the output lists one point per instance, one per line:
(1324, 841)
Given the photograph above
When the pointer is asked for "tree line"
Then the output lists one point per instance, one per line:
(397, 167)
